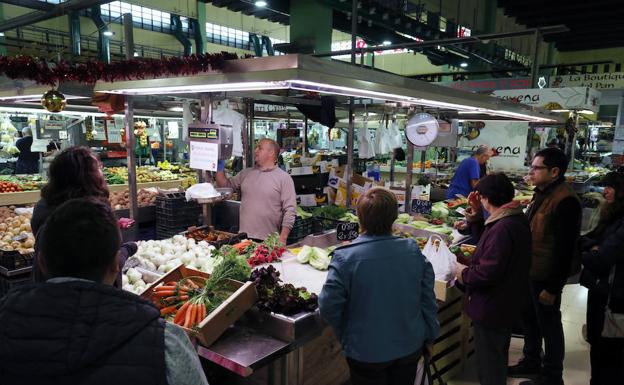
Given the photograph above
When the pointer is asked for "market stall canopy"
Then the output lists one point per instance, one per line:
(25, 90)
(306, 73)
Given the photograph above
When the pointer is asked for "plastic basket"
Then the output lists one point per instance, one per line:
(7, 283)
(301, 229)
(12, 260)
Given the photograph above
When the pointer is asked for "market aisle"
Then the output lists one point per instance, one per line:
(576, 365)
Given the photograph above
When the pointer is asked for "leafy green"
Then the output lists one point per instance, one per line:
(330, 212)
(301, 213)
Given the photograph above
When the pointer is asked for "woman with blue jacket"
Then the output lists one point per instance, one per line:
(379, 298)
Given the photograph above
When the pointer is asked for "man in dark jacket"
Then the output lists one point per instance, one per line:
(555, 218)
(497, 279)
(76, 328)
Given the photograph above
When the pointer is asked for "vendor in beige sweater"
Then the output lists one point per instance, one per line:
(268, 199)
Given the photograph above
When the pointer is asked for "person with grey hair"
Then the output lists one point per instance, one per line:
(468, 173)
(268, 198)
(27, 161)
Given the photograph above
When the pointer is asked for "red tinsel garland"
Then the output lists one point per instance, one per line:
(51, 73)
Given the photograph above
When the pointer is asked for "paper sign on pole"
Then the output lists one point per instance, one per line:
(509, 139)
(204, 155)
(39, 145)
(173, 130)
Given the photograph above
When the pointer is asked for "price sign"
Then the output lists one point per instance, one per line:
(421, 207)
(204, 155)
(347, 231)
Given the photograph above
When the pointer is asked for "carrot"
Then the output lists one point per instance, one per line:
(192, 284)
(161, 288)
(190, 316)
(165, 293)
(203, 312)
(180, 315)
(166, 310)
(172, 283)
(176, 298)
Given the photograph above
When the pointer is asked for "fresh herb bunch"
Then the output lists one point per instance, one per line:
(281, 298)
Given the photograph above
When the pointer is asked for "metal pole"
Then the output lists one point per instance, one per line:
(252, 135)
(304, 150)
(408, 177)
(351, 133)
(133, 205)
(535, 64)
(573, 141)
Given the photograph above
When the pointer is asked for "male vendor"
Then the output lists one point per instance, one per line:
(468, 173)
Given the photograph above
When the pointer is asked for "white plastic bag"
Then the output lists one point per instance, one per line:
(443, 261)
(395, 135)
(201, 191)
(420, 373)
(365, 147)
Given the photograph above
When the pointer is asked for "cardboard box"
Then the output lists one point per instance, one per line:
(217, 322)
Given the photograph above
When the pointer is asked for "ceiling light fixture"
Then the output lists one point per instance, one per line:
(387, 42)
(261, 3)
(176, 109)
(1, 34)
(463, 64)
(108, 33)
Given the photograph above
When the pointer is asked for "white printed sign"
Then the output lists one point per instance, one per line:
(204, 155)
(606, 81)
(509, 139)
(571, 98)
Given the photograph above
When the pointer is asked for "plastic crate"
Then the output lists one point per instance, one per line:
(12, 260)
(301, 229)
(7, 283)
(174, 214)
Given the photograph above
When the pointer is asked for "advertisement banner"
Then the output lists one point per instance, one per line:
(610, 81)
(570, 98)
(509, 139)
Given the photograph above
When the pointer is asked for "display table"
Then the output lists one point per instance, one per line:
(302, 350)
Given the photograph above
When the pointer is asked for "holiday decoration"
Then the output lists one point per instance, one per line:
(51, 73)
(53, 101)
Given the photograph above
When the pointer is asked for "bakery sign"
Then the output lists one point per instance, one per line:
(608, 81)
(568, 98)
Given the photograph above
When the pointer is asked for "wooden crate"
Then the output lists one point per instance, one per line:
(211, 328)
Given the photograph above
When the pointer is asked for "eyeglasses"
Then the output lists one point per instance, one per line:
(537, 168)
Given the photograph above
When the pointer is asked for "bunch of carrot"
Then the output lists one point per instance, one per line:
(181, 300)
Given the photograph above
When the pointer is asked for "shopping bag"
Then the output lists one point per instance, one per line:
(421, 374)
(613, 326)
(424, 375)
(444, 262)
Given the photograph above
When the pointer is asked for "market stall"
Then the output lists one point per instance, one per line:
(306, 358)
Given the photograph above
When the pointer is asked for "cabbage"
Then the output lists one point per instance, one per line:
(304, 254)
(317, 258)
(419, 224)
(403, 218)
(440, 210)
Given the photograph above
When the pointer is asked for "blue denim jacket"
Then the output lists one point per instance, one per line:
(379, 298)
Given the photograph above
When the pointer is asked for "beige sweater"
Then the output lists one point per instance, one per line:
(268, 201)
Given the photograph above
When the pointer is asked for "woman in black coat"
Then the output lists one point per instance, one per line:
(602, 254)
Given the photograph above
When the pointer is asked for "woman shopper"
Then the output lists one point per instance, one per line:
(379, 298)
(603, 275)
(497, 279)
(74, 173)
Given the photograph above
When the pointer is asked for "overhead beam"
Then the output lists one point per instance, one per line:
(33, 4)
(58, 10)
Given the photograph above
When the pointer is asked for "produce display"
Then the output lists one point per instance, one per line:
(145, 174)
(15, 183)
(120, 200)
(207, 235)
(15, 231)
(273, 296)
(188, 301)
(269, 251)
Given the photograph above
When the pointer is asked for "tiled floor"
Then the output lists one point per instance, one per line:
(576, 364)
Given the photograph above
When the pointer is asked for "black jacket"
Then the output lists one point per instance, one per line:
(79, 332)
(598, 263)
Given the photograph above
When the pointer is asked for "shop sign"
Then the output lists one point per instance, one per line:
(54, 125)
(608, 81)
(347, 231)
(487, 85)
(508, 139)
(204, 155)
(570, 98)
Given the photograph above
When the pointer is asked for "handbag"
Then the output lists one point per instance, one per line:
(613, 326)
